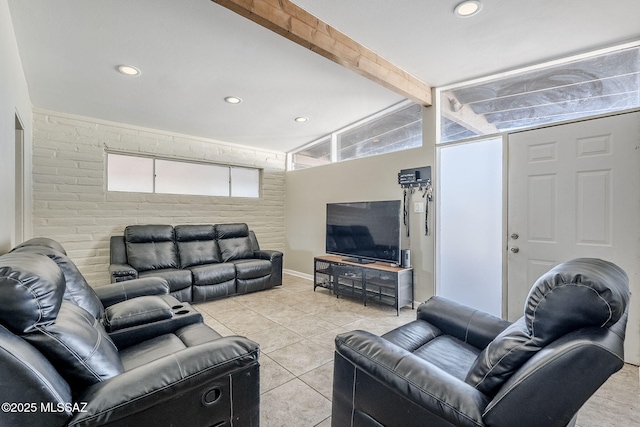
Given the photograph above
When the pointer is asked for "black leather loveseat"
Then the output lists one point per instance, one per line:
(128, 355)
(456, 366)
(200, 262)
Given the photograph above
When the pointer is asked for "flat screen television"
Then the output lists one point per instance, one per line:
(364, 231)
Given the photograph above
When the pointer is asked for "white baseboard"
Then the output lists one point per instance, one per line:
(298, 274)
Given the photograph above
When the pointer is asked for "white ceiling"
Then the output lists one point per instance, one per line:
(193, 53)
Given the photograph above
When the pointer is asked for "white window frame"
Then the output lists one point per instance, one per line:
(548, 64)
(334, 134)
(253, 194)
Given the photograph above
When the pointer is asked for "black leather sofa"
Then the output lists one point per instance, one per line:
(127, 354)
(200, 262)
(455, 366)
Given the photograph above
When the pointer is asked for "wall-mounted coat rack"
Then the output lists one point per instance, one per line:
(414, 177)
(421, 178)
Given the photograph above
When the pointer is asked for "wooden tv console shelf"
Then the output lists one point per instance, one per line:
(378, 282)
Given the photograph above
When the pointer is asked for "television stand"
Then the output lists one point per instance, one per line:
(377, 282)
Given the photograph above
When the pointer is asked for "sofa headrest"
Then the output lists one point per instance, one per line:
(581, 293)
(197, 245)
(77, 290)
(39, 242)
(230, 231)
(31, 291)
(150, 247)
(578, 293)
(188, 233)
(148, 233)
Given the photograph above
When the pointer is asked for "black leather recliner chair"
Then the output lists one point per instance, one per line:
(60, 365)
(130, 312)
(455, 366)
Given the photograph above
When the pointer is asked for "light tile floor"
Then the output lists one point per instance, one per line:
(296, 327)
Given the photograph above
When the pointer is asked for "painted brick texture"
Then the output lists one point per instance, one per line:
(71, 203)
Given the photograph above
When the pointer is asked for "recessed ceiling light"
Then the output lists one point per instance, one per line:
(301, 119)
(233, 100)
(128, 70)
(468, 8)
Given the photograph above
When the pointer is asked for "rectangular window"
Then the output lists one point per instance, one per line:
(196, 179)
(399, 130)
(317, 154)
(394, 129)
(150, 175)
(129, 173)
(245, 182)
(588, 86)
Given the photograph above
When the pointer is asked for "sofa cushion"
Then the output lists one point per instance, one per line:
(78, 346)
(196, 245)
(150, 350)
(501, 358)
(176, 278)
(150, 247)
(164, 345)
(234, 241)
(412, 335)
(210, 274)
(31, 291)
(252, 268)
(196, 334)
(450, 354)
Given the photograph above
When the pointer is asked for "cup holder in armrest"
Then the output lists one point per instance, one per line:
(181, 309)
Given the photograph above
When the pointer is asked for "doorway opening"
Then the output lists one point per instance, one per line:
(19, 182)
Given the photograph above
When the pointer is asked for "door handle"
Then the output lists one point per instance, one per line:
(515, 249)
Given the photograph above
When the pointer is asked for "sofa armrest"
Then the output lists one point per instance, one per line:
(208, 384)
(122, 272)
(136, 312)
(276, 264)
(267, 254)
(183, 314)
(397, 371)
(122, 291)
(465, 323)
(117, 250)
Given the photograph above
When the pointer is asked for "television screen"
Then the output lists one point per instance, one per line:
(364, 231)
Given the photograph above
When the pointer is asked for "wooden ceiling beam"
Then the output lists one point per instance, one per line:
(296, 24)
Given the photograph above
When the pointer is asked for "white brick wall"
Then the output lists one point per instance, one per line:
(72, 206)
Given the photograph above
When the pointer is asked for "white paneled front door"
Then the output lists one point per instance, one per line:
(574, 191)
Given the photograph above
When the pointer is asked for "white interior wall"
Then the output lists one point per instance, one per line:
(71, 203)
(372, 178)
(14, 100)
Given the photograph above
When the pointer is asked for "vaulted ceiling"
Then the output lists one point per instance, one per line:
(194, 53)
